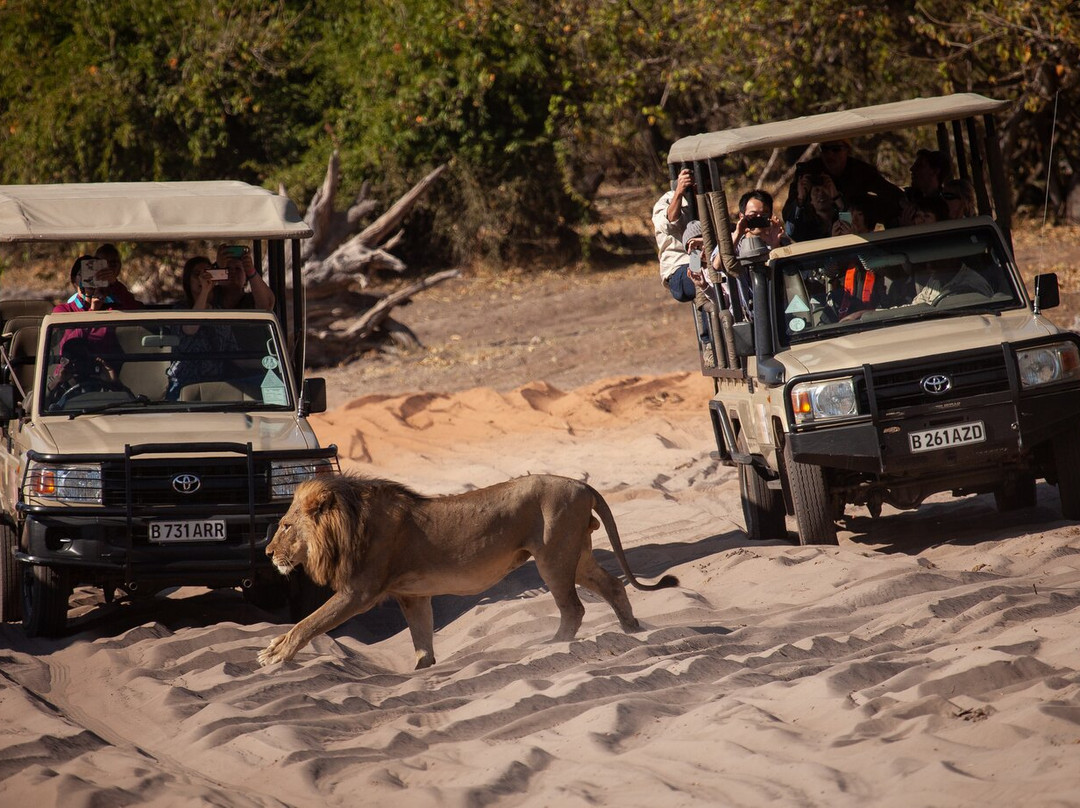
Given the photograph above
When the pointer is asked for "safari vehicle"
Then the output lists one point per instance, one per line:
(176, 442)
(961, 385)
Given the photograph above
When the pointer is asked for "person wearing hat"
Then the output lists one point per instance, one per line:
(851, 177)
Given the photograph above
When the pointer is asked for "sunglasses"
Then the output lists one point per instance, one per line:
(950, 197)
(835, 147)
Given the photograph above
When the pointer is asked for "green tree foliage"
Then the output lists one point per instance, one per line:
(148, 90)
(531, 102)
(1028, 51)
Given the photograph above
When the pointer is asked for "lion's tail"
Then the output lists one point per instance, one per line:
(604, 512)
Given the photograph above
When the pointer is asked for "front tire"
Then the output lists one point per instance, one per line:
(1067, 461)
(45, 601)
(763, 507)
(1016, 494)
(810, 499)
(10, 577)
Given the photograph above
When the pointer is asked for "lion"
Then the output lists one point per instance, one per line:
(369, 539)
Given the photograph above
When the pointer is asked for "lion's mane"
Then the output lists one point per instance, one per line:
(337, 523)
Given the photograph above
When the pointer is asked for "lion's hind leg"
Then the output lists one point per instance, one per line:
(595, 578)
(562, 588)
(417, 611)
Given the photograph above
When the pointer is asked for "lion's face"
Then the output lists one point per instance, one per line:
(288, 548)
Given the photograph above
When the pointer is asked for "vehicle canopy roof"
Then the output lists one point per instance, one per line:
(833, 126)
(146, 211)
(77, 319)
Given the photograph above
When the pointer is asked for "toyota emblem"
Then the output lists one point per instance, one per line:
(186, 483)
(937, 384)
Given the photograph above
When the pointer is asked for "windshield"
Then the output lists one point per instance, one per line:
(926, 276)
(181, 365)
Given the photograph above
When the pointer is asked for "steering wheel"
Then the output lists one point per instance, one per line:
(91, 384)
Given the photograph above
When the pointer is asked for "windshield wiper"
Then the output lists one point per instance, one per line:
(229, 406)
(118, 407)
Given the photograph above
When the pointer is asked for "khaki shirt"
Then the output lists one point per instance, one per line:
(668, 234)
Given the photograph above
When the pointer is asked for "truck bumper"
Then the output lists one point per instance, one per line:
(1013, 428)
(107, 547)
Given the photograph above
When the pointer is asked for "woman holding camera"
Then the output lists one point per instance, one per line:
(221, 285)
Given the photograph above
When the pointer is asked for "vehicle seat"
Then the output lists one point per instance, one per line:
(145, 377)
(23, 355)
(19, 321)
(19, 308)
(214, 391)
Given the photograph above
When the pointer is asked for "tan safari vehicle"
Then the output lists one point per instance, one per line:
(178, 437)
(959, 385)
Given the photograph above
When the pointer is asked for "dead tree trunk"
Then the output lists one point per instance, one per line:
(338, 261)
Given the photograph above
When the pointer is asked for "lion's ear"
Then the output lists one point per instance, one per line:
(319, 503)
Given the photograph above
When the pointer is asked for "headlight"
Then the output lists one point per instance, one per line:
(285, 475)
(1048, 364)
(78, 485)
(815, 401)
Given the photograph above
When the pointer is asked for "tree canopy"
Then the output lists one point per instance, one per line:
(532, 103)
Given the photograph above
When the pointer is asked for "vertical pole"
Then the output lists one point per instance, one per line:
(299, 304)
(978, 177)
(943, 140)
(962, 170)
(1002, 198)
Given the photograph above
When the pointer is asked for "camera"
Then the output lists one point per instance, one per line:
(235, 250)
(756, 220)
(88, 273)
(218, 274)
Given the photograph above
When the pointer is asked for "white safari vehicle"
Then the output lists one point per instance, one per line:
(171, 468)
(968, 390)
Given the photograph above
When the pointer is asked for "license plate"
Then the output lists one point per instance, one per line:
(192, 530)
(946, 437)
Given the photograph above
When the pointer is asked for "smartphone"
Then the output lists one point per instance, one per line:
(695, 262)
(845, 216)
(88, 273)
(217, 275)
(236, 250)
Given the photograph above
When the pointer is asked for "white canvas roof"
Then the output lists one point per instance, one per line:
(146, 211)
(833, 126)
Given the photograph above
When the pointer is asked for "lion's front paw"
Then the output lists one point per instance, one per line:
(276, 651)
(424, 659)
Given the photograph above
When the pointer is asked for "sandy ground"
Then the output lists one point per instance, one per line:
(932, 659)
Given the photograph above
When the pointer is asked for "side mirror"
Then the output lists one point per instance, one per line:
(1046, 292)
(7, 402)
(313, 396)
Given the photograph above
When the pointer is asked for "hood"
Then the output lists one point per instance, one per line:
(95, 434)
(913, 340)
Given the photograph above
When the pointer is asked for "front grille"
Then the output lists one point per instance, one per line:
(221, 481)
(899, 386)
